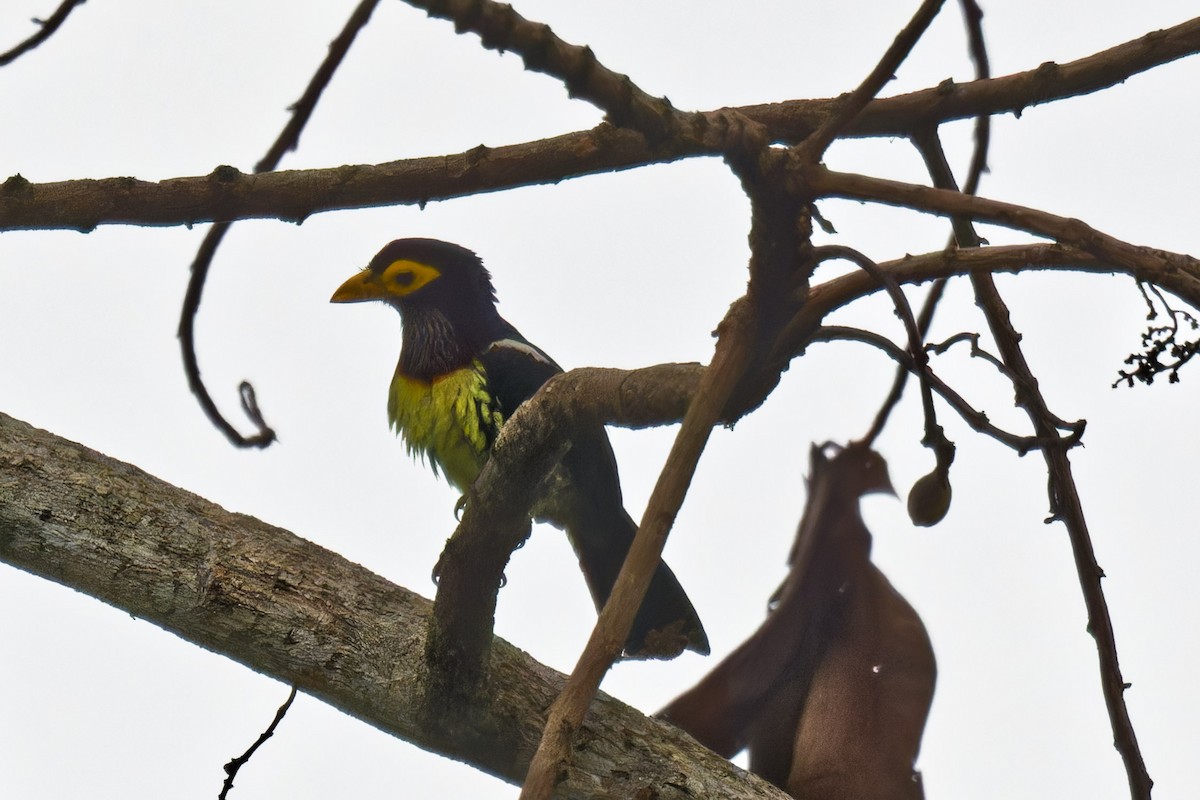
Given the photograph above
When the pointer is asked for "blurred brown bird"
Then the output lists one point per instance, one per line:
(831, 693)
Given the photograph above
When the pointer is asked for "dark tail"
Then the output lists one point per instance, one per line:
(601, 533)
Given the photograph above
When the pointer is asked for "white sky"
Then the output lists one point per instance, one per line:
(100, 705)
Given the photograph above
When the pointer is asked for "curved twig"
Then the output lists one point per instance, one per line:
(977, 420)
(201, 264)
(187, 347)
(976, 351)
(47, 27)
(934, 436)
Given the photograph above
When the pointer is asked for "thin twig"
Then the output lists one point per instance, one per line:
(976, 419)
(924, 320)
(201, 264)
(973, 18)
(231, 769)
(191, 367)
(851, 105)
(1065, 503)
(934, 436)
(46, 29)
(303, 108)
(733, 354)
(976, 351)
(977, 46)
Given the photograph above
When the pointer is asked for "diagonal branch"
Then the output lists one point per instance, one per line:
(851, 105)
(303, 108)
(46, 29)
(1065, 503)
(501, 28)
(306, 616)
(565, 719)
(234, 766)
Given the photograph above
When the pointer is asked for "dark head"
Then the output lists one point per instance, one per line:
(408, 273)
(444, 296)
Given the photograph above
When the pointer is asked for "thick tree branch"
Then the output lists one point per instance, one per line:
(306, 616)
(827, 297)
(501, 28)
(227, 194)
(1064, 230)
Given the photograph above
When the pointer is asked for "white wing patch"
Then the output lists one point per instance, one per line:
(523, 347)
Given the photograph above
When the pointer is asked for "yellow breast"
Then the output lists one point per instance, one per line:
(451, 420)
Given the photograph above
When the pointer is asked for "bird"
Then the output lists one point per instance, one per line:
(463, 370)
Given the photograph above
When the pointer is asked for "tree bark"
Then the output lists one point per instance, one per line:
(304, 615)
(226, 194)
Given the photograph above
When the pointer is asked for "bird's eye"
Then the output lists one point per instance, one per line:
(405, 276)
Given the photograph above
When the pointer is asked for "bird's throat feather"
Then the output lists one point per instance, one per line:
(451, 420)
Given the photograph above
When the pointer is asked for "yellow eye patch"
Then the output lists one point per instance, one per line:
(405, 276)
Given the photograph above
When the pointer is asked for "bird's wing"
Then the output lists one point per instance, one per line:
(516, 369)
(583, 497)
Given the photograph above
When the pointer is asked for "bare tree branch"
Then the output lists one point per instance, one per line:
(303, 108)
(235, 765)
(1065, 503)
(554, 754)
(978, 420)
(309, 617)
(212, 240)
(851, 105)
(227, 194)
(950, 203)
(46, 29)
(501, 28)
